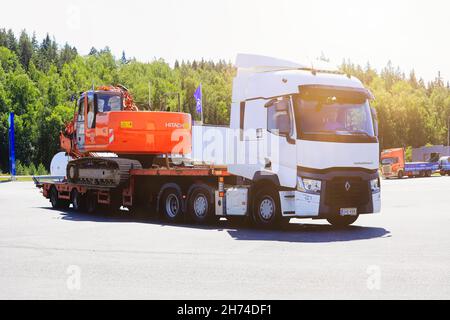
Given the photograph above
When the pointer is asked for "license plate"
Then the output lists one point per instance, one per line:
(348, 211)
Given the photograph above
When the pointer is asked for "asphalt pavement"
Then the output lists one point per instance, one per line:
(402, 253)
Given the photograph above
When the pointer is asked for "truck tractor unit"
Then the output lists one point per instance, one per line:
(305, 146)
(393, 165)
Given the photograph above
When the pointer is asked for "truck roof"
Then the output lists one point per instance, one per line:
(267, 77)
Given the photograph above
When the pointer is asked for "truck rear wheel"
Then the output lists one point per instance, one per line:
(78, 200)
(56, 202)
(342, 222)
(200, 203)
(266, 208)
(170, 204)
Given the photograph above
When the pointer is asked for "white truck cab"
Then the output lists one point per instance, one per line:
(308, 140)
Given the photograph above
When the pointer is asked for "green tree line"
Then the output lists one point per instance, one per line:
(38, 78)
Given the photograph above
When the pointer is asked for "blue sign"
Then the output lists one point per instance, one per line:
(198, 98)
(12, 156)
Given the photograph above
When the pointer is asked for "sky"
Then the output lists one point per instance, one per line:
(412, 34)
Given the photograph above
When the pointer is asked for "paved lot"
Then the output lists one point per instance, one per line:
(402, 253)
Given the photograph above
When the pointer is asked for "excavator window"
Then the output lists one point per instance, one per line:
(81, 109)
(108, 102)
(91, 112)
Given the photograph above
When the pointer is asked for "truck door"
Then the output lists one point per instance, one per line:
(80, 127)
(281, 139)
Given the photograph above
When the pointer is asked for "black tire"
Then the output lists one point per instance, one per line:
(201, 204)
(56, 202)
(91, 202)
(266, 211)
(171, 205)
(400, 174)
(78, 200)
(428, 173)
(342, 222)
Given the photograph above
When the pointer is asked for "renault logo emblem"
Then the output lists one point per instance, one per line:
(347, 185)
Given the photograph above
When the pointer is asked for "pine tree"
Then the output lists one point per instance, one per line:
(93, 52)
(123, 60)
(25, 49)
(11, 41)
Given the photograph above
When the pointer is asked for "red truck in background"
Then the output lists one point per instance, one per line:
(393, 165)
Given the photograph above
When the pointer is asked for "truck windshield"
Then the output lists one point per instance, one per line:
(389, 160)
(333, 115)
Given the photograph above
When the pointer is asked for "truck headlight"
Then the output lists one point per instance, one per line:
(375, 185)
(309, 185)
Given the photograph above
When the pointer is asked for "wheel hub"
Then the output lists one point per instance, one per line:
(267, 208)
(200, 206)
(172, 205)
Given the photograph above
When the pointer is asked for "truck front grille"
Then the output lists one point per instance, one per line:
(347, 192)
(386, 169)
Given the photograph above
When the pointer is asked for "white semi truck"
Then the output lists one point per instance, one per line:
(302, 143)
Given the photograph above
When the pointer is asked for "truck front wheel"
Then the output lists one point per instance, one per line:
(266, 208)
(400, 174)
(342, 221)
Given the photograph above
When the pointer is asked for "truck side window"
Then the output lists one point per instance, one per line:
(91, 112)
(278, 118)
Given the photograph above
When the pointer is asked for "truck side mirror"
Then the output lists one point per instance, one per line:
(375, 120)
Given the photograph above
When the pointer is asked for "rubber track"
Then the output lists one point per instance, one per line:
(124, 166)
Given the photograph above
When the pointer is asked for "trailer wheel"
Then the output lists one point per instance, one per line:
(78, 200)
(428, 173)
(342, 222)
(91, 202)
(56, 202)
(171, 204)
(200, 203)
(266, 208)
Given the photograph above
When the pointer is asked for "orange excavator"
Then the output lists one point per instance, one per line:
(106, 120)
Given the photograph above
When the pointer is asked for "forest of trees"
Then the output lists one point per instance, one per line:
(38, 78)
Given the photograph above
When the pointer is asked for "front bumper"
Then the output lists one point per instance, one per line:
(333, 195)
